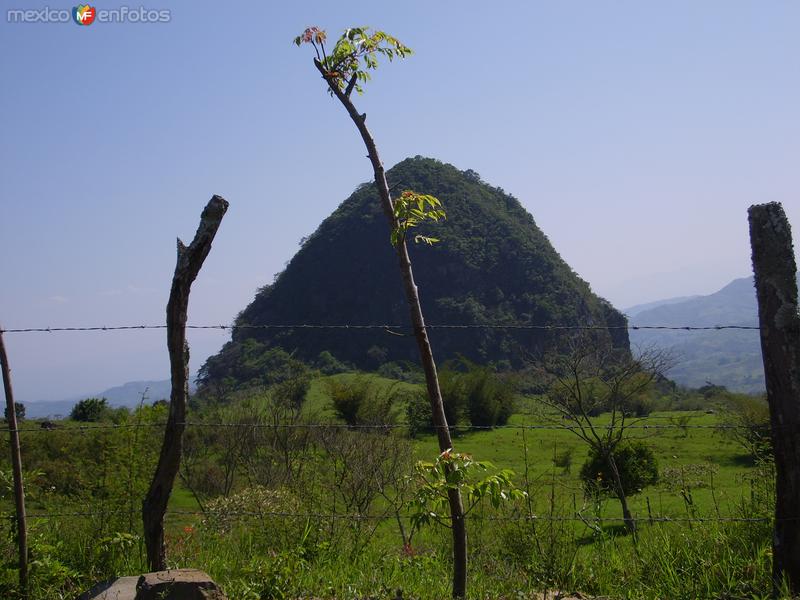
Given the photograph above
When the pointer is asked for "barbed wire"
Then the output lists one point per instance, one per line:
(222, 515)
(390, 327)
(371, 427)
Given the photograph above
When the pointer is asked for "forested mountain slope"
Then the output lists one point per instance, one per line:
(493, 265)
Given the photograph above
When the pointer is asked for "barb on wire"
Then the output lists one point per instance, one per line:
(373, 427)
(392, 328)
(372, 517)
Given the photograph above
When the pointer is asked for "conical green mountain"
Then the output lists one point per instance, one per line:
(493, 265)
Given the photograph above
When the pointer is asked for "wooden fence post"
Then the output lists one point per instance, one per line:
(190, 260)
(776, 288)
(16, 462)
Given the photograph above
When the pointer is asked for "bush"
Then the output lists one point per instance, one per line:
(328, 364)
(418, 415)
(454, 396)
(19, 411)
(480, 396)
(490, 397)
(402, 371)
(249, 363)
(293, 391)
(635, 462)
(90, 410)
(746, 419)
(360, 401)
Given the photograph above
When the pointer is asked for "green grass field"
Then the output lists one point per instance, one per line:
(704, 476)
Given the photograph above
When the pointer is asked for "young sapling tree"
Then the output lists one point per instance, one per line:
(344, 69)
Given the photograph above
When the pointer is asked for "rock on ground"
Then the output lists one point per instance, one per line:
(175, 584)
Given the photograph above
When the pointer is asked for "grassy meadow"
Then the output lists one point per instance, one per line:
(229, 509)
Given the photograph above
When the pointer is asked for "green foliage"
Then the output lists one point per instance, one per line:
(496, 267)
(328, 364)
(354, 54)
(490, 396)
(453, 470)
(411, 210)
(293, 390)
(224, 513)
(349, 397)
(19, 411)
(521, 547)
(477, 395)
(250, 363)
(90, 410)
(401, 371)
(454, 397)
(419, 418)
(359, 400)
(747, 423)
(635, 462)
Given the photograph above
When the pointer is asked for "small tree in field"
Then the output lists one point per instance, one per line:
(19, 411)
(636, 465)
(592, 380)
(346, 68)
(90, 410)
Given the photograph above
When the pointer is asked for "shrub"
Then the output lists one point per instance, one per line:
(490, 396)
(418, 415)
(90, 410)
(402, 371)
(328, 364)
(293, 391)
(19, 411)
(746, 419)
(635, 462)
(454, 396)
(348, 396)
(360, 401)
(480, 396)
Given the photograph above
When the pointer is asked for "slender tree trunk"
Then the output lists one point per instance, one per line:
(776, 288)
(16, 462)
(627, 517)
(190, 260)
(420, 333)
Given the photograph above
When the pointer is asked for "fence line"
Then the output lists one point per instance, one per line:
(378, 427)
(392, 516)
(394, 329)
(390, 327)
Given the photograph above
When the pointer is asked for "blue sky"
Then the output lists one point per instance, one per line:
(637, 134)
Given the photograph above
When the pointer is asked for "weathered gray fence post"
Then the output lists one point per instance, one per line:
(16, 462)
(190, 259)
(776, 288)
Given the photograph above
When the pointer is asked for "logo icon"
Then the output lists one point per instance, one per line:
(83, 14)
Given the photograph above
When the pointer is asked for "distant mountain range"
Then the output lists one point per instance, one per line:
(728, 357)
(640, 308)
(128, 394)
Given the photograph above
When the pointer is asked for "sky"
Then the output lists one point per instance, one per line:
(636, 134)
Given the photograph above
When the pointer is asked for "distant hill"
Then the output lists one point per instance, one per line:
(632, 311)
(728, 357)
(128, 394)
(493, 265)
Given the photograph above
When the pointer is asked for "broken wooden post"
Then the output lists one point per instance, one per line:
(190, 260)
(16, 462)
(775, 271)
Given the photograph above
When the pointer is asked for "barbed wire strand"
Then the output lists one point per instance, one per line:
(222, 515)
(375, 427)
(390, 327)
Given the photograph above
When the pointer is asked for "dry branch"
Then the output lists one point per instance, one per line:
(190, 260)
